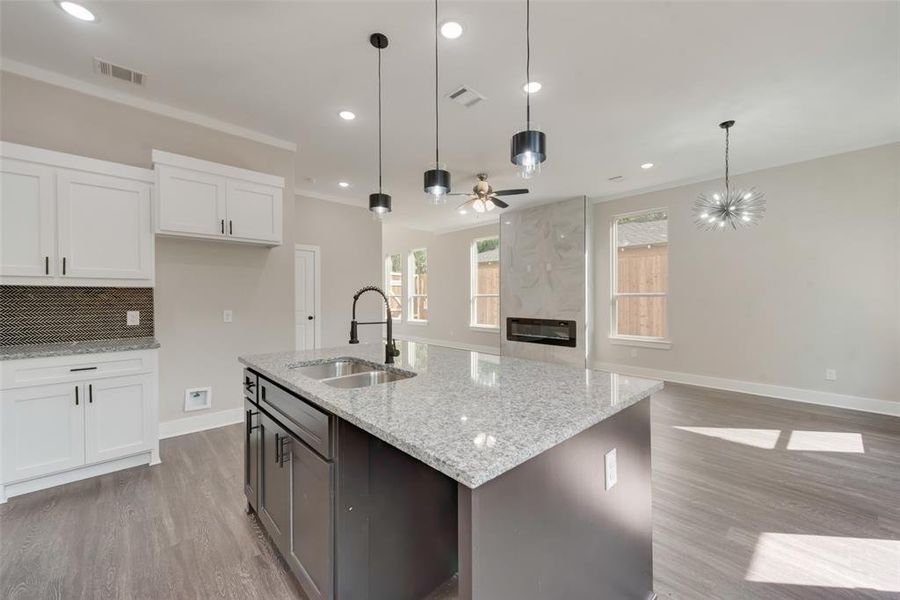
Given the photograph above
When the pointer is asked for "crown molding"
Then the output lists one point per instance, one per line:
(30, 71)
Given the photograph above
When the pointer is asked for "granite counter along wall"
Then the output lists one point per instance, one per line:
(542, 275)
(49, 314)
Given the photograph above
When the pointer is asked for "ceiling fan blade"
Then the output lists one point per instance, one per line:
(499, 203)
(459, 194)
(467, 204)
(511, 192)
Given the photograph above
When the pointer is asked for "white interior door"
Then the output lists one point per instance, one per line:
(306, 293)
(43, 430)
(104, 226)
(118, 417)
(26, 219)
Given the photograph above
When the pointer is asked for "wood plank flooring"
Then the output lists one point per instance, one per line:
(738, 497)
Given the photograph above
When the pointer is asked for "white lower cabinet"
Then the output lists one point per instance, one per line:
(43, 431)
(53, 433)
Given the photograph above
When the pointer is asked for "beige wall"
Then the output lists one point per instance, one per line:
(349, 240)
(816, 285)
(196, 280)
(448, 283)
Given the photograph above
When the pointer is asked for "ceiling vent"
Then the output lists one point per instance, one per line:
(466, 96)
(110, 70)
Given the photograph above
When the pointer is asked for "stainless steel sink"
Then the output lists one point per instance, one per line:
(338, 367)
(350, 373)
(359, 380)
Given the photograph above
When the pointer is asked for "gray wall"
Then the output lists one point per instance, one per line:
(448, 283)
(195, 280)
(542, 274)
(816, 285)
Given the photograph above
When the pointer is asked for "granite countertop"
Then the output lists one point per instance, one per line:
(469, 415)
(68, 348)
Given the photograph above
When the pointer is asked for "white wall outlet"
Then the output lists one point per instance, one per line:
(197, 398)
(227, 316)
(132, 318)
(830, 375)
(612, 474)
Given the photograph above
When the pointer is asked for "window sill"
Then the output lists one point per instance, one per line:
(416, 322)
(484, 328)
(622, 340)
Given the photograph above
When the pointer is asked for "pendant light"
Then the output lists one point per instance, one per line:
(437, 179)
(731, 207)
(380, 203)
(528, 148)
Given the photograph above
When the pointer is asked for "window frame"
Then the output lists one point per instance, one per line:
(387, 285)
(662, 343)
(410, 285)
(473, 285)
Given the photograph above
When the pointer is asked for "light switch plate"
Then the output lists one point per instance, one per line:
(830, 374)
(612, 475)
(132, 318)
(227, 316)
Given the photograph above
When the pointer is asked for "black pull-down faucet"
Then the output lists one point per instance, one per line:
(390, 349)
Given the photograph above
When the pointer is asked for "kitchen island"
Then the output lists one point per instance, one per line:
(509, 457)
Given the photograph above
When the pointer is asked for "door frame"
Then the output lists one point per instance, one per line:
(317, 297)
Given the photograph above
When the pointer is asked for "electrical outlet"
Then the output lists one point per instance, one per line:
(612, 475)
(227, 316)
(830, 375)
(132, 318)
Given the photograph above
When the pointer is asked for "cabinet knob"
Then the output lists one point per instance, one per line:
(310, 318)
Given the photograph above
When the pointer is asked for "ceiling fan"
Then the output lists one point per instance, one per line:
(484, 198)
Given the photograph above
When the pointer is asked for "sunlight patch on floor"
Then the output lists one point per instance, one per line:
(826, 561)
(758, 438)
(826, 441)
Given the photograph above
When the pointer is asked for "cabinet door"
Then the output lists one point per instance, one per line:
(251, 453)
(104, 226)
(274, 508)
(253, 211)
(43, 430)
(26, 219)
(190, 202)
(312, 525)
(118, 419)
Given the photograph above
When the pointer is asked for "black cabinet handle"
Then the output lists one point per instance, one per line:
(277, 449)
(82, 369)
(285, 440)
(223, 225)
(230, 228)
(64, 265)
(76, 395)
(46, 265)
(249, 385)
(310, 318)
(249, 421)
(90, 393)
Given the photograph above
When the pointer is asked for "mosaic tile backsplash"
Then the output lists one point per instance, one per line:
(47, 314)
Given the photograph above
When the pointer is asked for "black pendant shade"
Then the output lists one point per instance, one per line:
(528, 148)
(380, 203)
(437, 182)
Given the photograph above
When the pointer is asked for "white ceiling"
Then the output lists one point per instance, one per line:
(624, 83)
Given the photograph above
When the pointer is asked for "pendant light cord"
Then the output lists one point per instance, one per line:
(437, 156)
(379, 121)
(527, 63)
(727, 131)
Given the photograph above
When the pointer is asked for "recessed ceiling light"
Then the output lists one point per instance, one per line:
(532, 87)
(343, 184)
(347, 115)
(451, 30)
(647, 166)
(77, 11)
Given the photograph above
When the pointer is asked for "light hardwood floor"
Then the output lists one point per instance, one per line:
(736, 502)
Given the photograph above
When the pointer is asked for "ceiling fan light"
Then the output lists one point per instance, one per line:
(437, 184)
(527, 150)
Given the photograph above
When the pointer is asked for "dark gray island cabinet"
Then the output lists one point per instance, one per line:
(488, 478)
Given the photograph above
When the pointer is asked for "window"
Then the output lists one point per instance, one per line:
(418, 286)
(484, 267)
(640, 278)
(393, 284)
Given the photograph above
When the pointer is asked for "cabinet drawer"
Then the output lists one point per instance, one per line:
(302, 419)
(79, 367)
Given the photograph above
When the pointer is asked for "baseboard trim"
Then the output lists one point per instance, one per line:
(185, 425)
(450, 344)
(871, 405)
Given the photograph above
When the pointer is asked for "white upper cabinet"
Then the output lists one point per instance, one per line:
(201, 199)
(27, 238)
(104, 226)
(71, 220)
